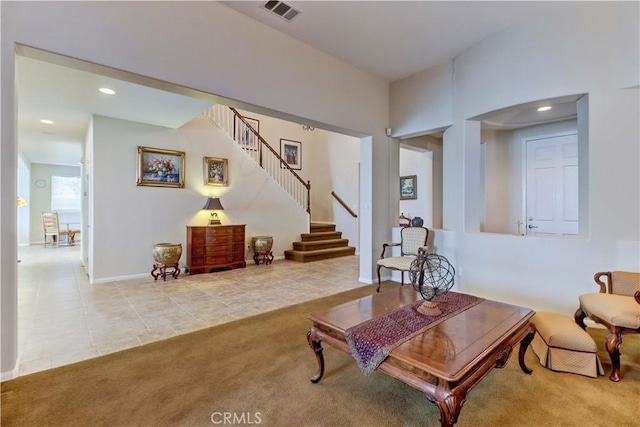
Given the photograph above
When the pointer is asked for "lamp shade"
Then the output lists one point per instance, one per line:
(213, 203)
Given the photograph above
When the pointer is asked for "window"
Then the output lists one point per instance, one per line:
(65, 193)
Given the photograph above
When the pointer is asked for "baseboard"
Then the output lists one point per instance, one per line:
(6, 376)
(119, 278)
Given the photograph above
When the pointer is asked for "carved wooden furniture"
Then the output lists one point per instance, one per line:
(445, 361)
(51, 228)
(215, 247)
(563, 346)
(616, 306)
(411, 239)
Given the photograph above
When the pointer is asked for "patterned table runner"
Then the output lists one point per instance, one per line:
(372, 341)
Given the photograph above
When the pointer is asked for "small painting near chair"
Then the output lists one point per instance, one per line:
(408, 188)
(216, 172)
(160, 168)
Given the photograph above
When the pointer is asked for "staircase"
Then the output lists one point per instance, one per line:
(322, 242)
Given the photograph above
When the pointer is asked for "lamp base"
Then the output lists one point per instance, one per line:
(214, 222)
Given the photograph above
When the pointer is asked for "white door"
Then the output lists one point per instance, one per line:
(552, 186)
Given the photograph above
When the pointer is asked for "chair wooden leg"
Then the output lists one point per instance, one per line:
(614, 339)
(402, 278)
(379, 283)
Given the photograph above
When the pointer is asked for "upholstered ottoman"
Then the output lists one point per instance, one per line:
(564, 346)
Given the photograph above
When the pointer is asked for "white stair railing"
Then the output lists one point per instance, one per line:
(241, 131)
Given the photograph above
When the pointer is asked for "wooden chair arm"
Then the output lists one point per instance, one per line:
(636, 296)
(385, 246)
(603, 286)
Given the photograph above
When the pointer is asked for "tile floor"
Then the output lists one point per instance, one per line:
(63, 319)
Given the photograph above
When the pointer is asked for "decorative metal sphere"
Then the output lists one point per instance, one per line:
(431, 275)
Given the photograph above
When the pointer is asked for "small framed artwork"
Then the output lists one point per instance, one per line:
(408, 187)
(216, 172)
(160, 168)
(291, 152)
(243, 135)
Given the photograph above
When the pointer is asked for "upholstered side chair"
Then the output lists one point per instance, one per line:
(616, 306)
(411, 239)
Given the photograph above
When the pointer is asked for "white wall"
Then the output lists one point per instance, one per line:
(422, 103)
(210, 48)
(540, 60)
(419, 163)
(24, 191)
(161, 213)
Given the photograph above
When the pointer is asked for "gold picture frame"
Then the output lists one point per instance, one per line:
(216, 172)
(160, 168)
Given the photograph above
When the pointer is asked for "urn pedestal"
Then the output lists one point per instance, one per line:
(261, 246)
(166, 257)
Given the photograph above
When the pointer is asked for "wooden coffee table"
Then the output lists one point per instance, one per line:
(446, 360)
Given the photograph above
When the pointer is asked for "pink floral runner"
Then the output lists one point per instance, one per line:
(372, 341)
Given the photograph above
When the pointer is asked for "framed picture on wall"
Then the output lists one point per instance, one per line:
(408, 187)
(216, 172)
(244, 136)
(291, 152)
(160, 168)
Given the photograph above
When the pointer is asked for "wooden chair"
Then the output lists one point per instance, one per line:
(411, 239)
(51, 226)
(616, 306)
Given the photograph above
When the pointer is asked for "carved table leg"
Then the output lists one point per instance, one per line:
(524, 344)
(314, 343)
(614, 339)
(449, 405)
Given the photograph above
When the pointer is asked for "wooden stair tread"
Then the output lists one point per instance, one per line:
(318, 227)
(321, 235)
(318, 254)
(320, 244)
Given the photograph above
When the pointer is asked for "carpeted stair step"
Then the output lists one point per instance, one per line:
(322, 235)
(320, 244)
(317, 255)
(318, 227)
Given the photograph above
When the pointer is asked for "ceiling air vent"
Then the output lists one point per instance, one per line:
(281, 9)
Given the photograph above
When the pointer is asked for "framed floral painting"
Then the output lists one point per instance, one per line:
(160, 168)
(291, 152)
(216, 172)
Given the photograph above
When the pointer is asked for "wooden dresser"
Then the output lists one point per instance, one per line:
(215, 247)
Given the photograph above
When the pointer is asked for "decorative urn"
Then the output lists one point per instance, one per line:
(261, 244)
(167, 253)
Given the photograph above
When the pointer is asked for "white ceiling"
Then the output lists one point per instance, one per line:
(69, 98)
(387, 39)
(395, 39)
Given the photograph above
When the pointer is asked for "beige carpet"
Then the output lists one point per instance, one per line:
(257, 370)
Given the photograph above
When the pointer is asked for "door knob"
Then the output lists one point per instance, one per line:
(532, 226)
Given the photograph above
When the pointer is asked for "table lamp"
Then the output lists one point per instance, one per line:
(213, 204)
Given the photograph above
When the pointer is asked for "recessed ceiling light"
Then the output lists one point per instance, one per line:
(46, 122)
(107, 91)
(545, 108)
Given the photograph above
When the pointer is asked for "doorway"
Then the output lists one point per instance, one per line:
(551, 202)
